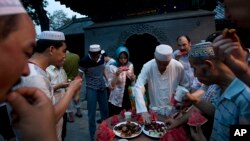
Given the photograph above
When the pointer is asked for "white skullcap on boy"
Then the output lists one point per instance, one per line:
(52, 35)
(11, 7)
(163, 52)
(94, 48)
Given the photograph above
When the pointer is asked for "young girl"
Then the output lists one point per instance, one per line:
(121, 76)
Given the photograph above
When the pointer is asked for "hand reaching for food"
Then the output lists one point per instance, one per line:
(146, 117)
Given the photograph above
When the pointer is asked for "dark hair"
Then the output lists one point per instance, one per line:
(43, 44)
(8, 24)
(212, 36)
(105, 54)
(94, 53)
(123, 52)
(186, 36)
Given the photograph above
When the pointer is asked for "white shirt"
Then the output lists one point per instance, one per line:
(39, 79)
(106, 71)
(160, 86)
(56, 76)
(117, 92)
(189, 71)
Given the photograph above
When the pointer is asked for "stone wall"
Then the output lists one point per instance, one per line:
(165, 28)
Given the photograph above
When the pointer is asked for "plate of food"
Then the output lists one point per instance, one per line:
(155, 129)
(127, 129)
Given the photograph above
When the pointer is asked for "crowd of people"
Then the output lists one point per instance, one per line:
(43, 88)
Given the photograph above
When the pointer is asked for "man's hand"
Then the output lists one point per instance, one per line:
(75, 85)
(146, 117)
(33, 114)
(192, 98)
(170, 122)
(231, 53)
(197, 134)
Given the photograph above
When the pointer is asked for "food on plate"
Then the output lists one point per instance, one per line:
(230, 33)
(128, 129)
(155, 129)
(196, 119)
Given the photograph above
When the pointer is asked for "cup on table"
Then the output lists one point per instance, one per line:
(154, 109)
(128, 116)
(180, 93)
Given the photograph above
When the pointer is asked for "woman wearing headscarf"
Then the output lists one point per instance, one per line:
(121, 76)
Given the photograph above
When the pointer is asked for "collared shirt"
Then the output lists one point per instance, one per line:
(160, 86)
(38, 78)
(56, 76)
(116, 94)
(189, 71)
(231, 105)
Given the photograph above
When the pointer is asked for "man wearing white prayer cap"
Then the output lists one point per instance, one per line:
(92, 65)
(162, 75)
(50, 50)
(34, 116)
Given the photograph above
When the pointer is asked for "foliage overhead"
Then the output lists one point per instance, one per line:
(58, 19)
(30, 8)
(35, 9)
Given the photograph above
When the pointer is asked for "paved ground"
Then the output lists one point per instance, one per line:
(78, 130)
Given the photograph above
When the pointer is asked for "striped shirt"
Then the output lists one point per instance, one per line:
(94, 72)
(233, 104)
(210, 92)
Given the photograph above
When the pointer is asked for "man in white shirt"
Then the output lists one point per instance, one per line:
(184, 45)
(58, 79)
(29, 105)
(50, 50)
(162, 75)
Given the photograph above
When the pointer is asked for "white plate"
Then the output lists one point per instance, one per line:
(153, 134)
(119, 133)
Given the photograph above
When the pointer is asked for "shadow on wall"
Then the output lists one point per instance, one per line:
(141, 48)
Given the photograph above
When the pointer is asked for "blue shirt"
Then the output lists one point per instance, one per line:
(230, 106)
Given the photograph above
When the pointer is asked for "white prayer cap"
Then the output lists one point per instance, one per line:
(163, 52)
(52, 35)
(10, 7)
(94, 48)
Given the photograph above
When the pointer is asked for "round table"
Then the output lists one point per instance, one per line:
(141, 137)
